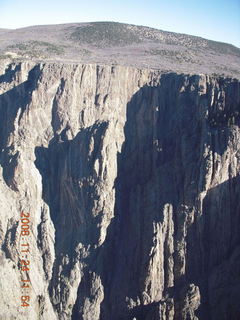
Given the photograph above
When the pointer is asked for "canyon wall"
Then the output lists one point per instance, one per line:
(131, 181)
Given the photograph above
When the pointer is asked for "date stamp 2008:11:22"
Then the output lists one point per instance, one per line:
(25, 258)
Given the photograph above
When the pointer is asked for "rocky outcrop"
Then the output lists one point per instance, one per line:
(131, 179)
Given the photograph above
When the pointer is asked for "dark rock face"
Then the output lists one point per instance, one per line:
(132, 180)
(171, 245)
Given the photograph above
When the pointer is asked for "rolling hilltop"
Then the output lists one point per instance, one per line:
(118, 43)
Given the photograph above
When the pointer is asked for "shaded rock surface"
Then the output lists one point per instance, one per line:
(131, 179)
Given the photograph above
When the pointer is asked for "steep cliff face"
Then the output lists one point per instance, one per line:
(131, 180)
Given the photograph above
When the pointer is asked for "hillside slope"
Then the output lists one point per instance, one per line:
(118, 43)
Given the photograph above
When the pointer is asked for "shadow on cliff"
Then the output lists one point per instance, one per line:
(11, 102)
(213, 252)
(69, 185)
(160, 163)
(70, 188)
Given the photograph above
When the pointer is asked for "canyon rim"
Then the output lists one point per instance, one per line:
(129, 171)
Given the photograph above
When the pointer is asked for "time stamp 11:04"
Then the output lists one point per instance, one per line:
(25, 259)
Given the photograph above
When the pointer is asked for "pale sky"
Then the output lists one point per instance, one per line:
(212, 19)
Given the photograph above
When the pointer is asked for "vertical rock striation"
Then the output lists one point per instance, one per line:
(132, 181)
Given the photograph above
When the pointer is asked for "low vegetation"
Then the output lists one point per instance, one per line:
(35, 49)
(106, 34)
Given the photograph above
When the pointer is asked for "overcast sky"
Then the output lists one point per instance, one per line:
(212, 19)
